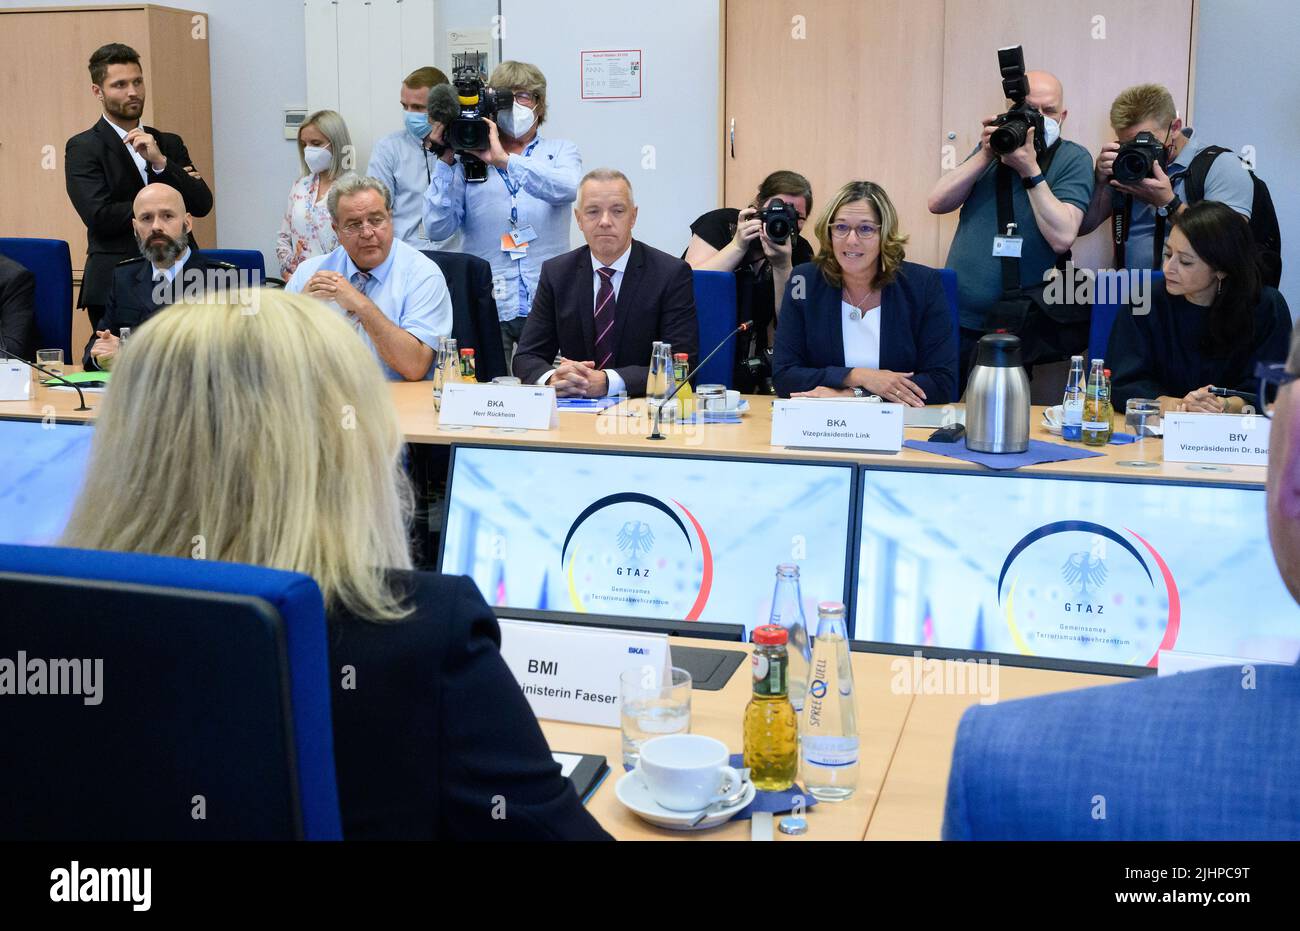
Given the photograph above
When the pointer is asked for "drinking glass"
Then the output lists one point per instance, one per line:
(51, 359)
(650, 707)
(1142, 417)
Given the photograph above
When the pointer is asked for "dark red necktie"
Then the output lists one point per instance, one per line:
(605, 318)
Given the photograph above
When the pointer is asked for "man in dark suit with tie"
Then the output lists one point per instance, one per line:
(606, 303)
(108, 164)
(168, 271)
(17, 309)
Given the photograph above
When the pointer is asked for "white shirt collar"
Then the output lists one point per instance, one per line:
(619, 264)
(117, 129)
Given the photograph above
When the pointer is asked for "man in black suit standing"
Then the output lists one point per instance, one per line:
(168, 271)
(17, 309)
(108, 164)
(606, 303)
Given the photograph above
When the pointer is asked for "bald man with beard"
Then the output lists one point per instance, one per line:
(167, 271)
(1049, 195)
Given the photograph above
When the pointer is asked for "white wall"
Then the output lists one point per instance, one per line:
(1247, 75)
(255, 50)
(677, 114)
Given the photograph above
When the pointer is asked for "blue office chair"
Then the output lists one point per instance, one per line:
(949, 277)
(1103, 321)
(50, 261)
(210, 718)
(246, 259)
(715, 307)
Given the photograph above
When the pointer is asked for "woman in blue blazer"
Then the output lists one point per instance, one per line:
(858, 320)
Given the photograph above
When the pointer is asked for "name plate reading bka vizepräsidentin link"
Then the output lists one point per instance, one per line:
(1223, 439)
(831, 423)
(526, 407)
(572, 673)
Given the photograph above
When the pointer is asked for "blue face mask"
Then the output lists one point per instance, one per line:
(417, 124)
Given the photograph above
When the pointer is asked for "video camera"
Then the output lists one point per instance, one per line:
(467, 132)
(1135, 160)
(1013, 126)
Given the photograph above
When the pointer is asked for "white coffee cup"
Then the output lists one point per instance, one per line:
(686, 772)
(727, 402)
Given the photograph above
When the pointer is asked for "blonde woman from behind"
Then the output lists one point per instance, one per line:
(267, 432)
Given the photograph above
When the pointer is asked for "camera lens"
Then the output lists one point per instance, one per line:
(1009, 136)
(1132, 166)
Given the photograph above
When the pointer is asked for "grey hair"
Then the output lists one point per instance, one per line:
(605, 174)
(351, 184)
(333, 128)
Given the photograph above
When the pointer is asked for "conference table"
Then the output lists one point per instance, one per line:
(906, 736)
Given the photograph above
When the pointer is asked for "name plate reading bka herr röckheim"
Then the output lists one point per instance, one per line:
(527, 407)
(830, 423)
(572, 673)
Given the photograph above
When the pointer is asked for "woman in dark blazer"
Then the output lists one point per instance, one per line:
(275, 463)
(858, 320)
(1208, 324)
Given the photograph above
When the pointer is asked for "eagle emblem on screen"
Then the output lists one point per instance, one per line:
(1084, 572)
(635, 538)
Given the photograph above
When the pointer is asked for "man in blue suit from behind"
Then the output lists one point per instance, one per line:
(1210, 755)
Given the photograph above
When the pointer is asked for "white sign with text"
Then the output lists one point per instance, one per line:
(526, 407)
(1224, 439)
(831, 423)
(572, 673)
(15, 381)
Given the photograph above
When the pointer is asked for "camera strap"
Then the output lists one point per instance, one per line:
(1122, 221)
(1007, 216)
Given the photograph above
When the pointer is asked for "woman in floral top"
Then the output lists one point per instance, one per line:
(325, 152)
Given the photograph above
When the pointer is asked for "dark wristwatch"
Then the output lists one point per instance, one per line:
(1031, 183)
(1170, 208)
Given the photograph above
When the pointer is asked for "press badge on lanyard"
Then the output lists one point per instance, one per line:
(516, 240)
(1008, 246)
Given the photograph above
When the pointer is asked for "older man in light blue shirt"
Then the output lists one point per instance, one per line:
(519, 217)
(395, 296)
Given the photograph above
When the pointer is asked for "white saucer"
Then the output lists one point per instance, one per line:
(632, 792)
(742, 408)
(1053, 428)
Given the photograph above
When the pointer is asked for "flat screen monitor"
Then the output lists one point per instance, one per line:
(1106, 572)
(41, 469)
(653, 536)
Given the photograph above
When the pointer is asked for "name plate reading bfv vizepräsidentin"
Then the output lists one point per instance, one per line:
(1223, 439)
(829, 423)
(572, 673)
(526, 407)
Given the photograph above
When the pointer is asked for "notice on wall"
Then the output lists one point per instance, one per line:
(472, 42)
(613, 74)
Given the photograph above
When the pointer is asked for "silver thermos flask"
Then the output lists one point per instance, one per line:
(997, 398)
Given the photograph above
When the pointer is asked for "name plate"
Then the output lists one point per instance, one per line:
(1225, 439)
(15, 381)
(526, 407)
(571, 673)
(831, 423)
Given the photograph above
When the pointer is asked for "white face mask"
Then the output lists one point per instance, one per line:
(518, 121)
(1052, 131)
(318, 158)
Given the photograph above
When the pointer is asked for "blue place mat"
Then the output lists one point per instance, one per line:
(775, 802)
(1122, 439)
(1038, 453)
(710, 418)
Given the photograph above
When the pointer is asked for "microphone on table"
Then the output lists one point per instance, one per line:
(659, 411)
(54, 375)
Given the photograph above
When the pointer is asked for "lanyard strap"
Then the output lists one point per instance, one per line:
(513, 188)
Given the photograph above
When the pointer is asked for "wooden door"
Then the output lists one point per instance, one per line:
(1097, 48)
(838, 90)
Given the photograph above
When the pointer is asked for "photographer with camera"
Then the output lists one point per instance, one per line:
(761, 245)
(1022, 173)
(1156, 169)
(508, 189)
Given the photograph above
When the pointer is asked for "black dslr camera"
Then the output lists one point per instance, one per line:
(780, 220)
(1013, 126)
(1136, 160)
(468, 133)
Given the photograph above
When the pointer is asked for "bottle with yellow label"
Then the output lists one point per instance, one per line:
(771, 731)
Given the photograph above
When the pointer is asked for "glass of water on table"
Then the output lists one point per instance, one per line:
(652, 705)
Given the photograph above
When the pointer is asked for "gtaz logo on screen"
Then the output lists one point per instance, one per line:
(636, 539)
